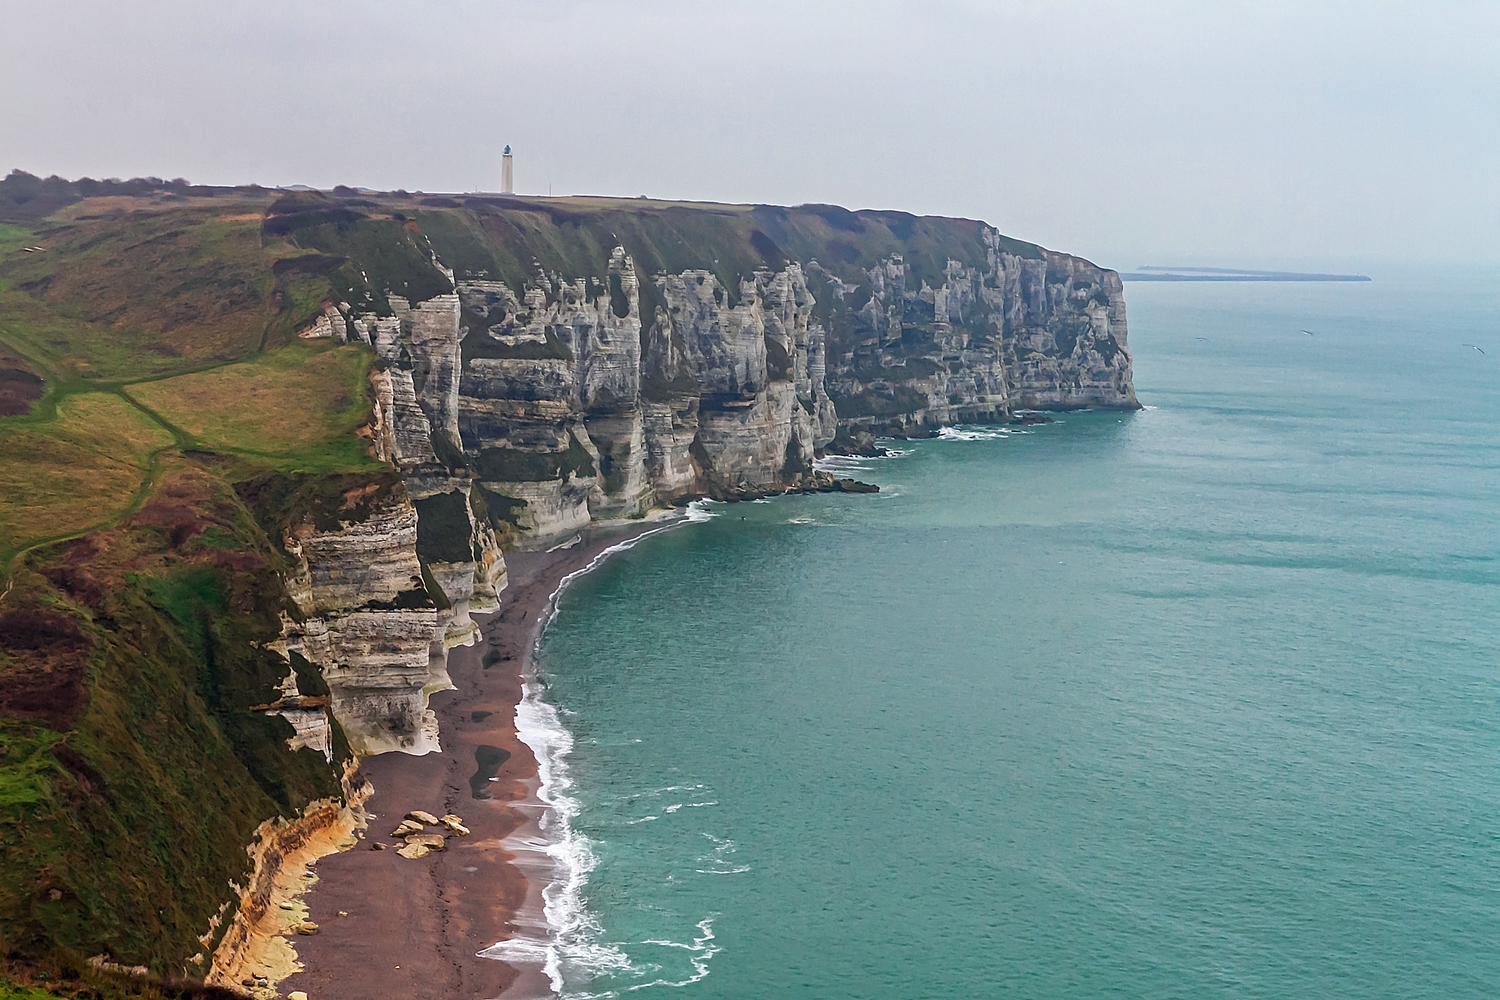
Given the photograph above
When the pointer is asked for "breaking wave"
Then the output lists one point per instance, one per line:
(572, 941)
(975, 433)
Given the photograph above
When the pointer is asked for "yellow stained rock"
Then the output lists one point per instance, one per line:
(425, 818)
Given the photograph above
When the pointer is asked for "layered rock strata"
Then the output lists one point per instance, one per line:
(369, 626)
(559, 402)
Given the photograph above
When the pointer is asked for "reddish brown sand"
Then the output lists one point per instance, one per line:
(414, 927)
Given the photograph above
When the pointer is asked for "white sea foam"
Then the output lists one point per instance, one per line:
(652, 792)
(702, 949)
(843, 463)
(572, 931)
(694, 513)
(849, 464)
(974, 433)
(573, 936)
(719, 859)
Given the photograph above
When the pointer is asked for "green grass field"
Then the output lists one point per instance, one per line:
(158, 328)
(296, 408)
(79, 467)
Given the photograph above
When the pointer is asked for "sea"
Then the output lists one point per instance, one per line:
(1197, 701)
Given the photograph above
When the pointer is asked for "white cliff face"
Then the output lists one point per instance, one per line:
(371, 560)
(558, 403)
(368, 625)
(429, 331)
(569, 406)
(421, 345)
(1017, 333)
(744, 401)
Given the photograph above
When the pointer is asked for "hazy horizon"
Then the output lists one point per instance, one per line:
(1131, 134)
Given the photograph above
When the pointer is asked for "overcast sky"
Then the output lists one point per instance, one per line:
(1133, 133)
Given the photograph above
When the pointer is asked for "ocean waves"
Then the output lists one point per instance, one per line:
(571, 947)
(572, 934)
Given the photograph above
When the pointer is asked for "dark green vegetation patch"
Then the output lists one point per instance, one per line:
(511, 465)
(125, 810)
(443, 528)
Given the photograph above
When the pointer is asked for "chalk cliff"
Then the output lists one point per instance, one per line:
(554, 395)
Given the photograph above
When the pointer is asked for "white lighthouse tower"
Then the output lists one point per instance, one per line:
(507, 176)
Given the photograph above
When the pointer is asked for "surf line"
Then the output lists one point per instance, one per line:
(694, 514)
(571, 932)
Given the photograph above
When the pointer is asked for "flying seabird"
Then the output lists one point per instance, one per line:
(1476, 347)
(1308, 332)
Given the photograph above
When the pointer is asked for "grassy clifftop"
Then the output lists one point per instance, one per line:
(510, 239)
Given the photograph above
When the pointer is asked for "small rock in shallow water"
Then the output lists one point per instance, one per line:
(377, 846)
(342, 913)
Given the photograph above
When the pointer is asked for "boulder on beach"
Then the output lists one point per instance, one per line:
(431, 841)
(414, 851)
(425, 818)
(454, 825)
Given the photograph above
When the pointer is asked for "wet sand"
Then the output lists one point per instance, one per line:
(414, 927)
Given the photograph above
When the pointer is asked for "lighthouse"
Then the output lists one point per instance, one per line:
(507, 177)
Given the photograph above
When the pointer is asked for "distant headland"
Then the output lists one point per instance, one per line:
(1152, 273)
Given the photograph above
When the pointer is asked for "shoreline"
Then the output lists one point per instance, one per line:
(416, 928)
(553, 860)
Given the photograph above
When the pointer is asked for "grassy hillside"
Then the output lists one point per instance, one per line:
(148, 364)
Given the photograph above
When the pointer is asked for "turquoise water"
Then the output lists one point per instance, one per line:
(1200, 701)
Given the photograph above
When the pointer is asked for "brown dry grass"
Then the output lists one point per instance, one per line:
(297, 406)
(77, 470)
